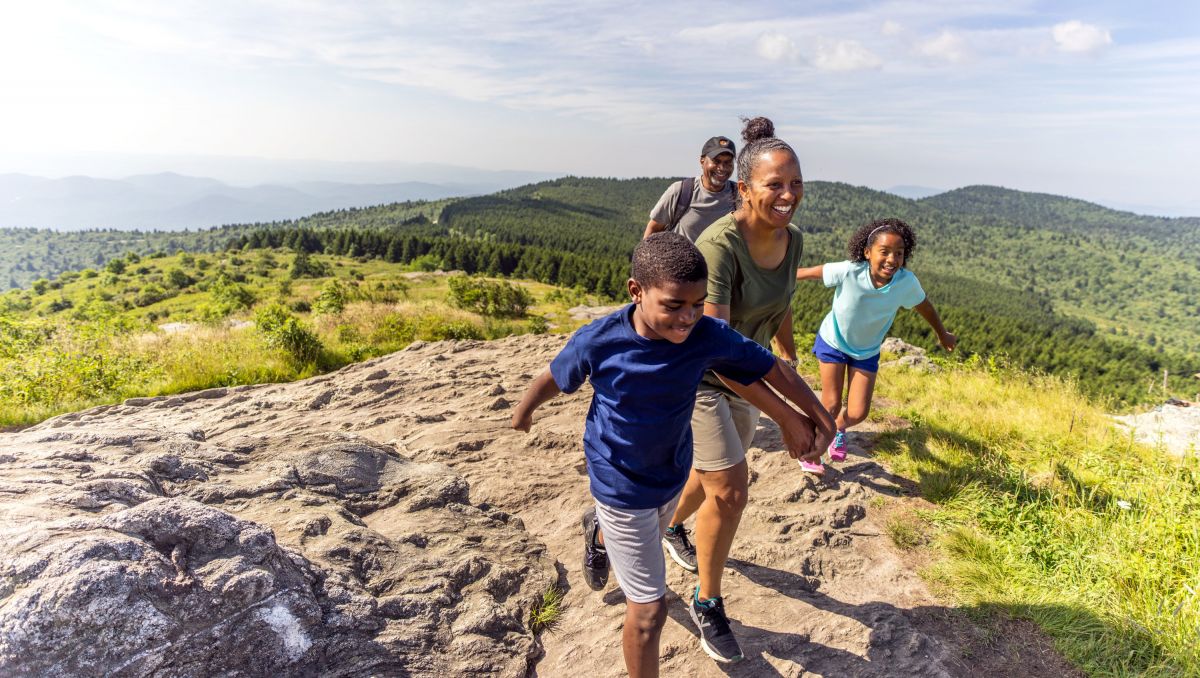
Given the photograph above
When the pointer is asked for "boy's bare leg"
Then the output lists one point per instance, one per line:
(640, 638)
(717, 522)
(858, 398)
(690, 499)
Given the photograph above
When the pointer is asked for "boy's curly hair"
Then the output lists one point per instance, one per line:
(868, 233)
(667, 256)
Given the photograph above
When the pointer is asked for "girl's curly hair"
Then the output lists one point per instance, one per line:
(868, 233)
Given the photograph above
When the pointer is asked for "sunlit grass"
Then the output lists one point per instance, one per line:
(1048, 512)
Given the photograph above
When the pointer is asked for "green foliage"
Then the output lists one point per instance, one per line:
(332, 299)
(40, 286)
(178, 279)
(115, 266)
(304, 266)
(1046, 512)
(285, 332)
(546, 612)
(489, 298)
(227, 297)
(150, 294)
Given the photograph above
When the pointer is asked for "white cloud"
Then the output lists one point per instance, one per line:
(776, 47)
(1078, 37)
(844, 55)
(947, 46)
(890, 28)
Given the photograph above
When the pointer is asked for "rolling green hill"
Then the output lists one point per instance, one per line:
(1052, 283)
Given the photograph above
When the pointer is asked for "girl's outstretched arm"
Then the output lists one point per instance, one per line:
(930, 314)
(540, 390)
(811, 273)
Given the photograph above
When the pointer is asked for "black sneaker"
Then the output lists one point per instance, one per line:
(716, 638)
(595, 558)
(681, 550)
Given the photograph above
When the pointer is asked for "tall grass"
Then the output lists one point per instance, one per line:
(55, 367)
(1046, 511)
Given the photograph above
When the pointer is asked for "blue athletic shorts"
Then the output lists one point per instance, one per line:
(828, 354)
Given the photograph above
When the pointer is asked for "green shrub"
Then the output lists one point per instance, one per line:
(485, 297)
(332, 299)
(300, 306)
(284, 331)
(150, 294)
(116, 266)
(394, 330)
(304, 266)
(40, 286)
(227, 297)
(178, 279)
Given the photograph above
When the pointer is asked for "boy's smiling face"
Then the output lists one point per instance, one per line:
(669, 310)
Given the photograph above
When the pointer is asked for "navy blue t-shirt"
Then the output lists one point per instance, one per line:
(638, 434)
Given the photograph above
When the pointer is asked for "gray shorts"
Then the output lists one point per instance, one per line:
(633, 539)
(722, 428)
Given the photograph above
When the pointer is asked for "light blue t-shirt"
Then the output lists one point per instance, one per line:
(862, 314)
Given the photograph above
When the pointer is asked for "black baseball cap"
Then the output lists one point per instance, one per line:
(716, 146)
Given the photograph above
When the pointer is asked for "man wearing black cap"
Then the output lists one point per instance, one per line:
(689, 206)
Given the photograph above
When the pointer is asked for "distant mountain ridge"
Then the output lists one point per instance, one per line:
(169, 201)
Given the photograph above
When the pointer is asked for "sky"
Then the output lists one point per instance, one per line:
(1097, 100)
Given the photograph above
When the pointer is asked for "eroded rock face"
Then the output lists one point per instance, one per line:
(137, 549)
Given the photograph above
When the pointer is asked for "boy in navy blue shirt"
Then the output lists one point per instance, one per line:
(645, 363)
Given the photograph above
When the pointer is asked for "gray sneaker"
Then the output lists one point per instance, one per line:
(716, 638)
(680, 548)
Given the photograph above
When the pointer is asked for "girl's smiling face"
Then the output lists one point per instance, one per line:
(886, 256)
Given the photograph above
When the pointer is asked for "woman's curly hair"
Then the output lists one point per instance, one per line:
(868, 233)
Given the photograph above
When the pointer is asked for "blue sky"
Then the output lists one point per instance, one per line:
(1091, 99)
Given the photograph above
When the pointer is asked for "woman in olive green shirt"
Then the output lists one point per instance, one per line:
(752, 256)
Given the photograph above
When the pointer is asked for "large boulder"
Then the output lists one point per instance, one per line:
(154, 550)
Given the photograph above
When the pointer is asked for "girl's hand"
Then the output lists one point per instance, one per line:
(521, 421)
(948, 341)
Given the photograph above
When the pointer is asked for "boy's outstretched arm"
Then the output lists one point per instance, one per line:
(540, 390)
(811, 273)
(798, 430)
(783, 378)
(930, 314)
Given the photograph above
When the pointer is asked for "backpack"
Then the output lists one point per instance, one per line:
(686, 189)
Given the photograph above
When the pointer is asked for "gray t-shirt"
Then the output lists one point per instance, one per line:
(705, 208)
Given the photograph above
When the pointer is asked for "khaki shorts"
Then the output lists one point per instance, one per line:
(722, 428)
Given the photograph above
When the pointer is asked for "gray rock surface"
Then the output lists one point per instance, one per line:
(202, 535)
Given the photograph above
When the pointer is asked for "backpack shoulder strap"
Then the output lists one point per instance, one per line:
(686, 188)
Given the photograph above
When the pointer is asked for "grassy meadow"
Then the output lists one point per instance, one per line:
(1040, 508)
(150, 326)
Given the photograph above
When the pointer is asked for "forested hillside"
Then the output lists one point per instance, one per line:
(1052, 283)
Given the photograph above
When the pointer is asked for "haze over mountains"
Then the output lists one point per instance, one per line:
(171, 201)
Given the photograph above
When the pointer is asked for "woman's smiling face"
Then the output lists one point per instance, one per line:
(775, 189)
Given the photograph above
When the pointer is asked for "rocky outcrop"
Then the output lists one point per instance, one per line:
(913, 357)
(385, 520)
(138, 548)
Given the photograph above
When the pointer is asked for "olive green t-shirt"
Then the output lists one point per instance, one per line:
(759, 299)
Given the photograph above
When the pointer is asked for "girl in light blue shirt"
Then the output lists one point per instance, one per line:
(871, 287)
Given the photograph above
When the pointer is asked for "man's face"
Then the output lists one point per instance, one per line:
(716, 171)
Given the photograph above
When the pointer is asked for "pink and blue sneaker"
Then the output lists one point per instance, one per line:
(837, 448)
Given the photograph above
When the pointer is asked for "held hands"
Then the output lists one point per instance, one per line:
(799, 435)
(948, 341)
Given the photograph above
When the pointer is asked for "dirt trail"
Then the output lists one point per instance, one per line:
(815, 586)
